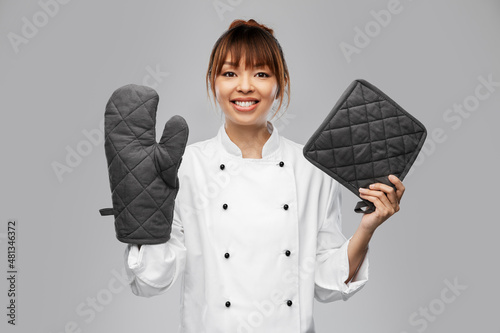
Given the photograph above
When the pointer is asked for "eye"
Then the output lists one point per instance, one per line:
(262, 74)
(228, 74)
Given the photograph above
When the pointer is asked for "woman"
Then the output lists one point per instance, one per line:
(257, 228)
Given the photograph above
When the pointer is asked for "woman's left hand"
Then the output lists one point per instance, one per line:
(386, 201)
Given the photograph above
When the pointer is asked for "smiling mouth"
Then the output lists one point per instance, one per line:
(245, 104)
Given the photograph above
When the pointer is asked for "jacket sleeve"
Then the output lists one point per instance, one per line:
(332, 261)
(153, 269)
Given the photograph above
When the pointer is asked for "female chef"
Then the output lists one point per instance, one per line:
(256, 235)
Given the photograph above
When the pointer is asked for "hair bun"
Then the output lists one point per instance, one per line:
(250, 23)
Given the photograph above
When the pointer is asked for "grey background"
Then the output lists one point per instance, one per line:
(427, 58)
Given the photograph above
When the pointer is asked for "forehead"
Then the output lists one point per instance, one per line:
(228, 61)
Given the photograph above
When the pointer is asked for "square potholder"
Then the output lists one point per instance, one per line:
(366, 137)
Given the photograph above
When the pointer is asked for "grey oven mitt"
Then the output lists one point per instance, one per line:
(142, 172)
(365, 138)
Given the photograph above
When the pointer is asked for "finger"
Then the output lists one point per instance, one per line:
(388, 190)
(380, 195)
(381, 207)
(400, 188)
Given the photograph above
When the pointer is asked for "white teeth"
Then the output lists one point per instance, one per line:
(245, 104)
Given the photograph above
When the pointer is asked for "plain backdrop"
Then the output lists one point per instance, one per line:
(60, 64)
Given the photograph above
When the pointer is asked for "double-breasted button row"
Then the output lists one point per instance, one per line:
(281, 164)
(287, 253)
(285, 206)
(288, 302)
(227, 255)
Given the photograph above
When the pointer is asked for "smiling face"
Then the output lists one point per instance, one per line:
(245, 94)
(247, 72)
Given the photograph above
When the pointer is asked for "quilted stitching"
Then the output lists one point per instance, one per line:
(366, 137)
(140, 169)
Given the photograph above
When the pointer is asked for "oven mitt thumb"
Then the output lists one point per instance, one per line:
(142, 172)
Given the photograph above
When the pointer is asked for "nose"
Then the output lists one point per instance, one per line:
(245, 84)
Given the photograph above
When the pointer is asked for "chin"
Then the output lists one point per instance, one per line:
(242, 118)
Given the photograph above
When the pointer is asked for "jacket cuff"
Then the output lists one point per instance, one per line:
(153, 264)
(361, 276)
(334, 270)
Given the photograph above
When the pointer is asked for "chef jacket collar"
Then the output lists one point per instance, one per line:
(270, 147)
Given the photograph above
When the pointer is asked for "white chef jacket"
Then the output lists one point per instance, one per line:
(254, 241)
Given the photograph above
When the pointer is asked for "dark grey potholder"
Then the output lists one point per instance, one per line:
(365, 138)
(142, 172)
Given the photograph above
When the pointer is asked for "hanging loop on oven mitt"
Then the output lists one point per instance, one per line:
(364, 139)
(142, 172)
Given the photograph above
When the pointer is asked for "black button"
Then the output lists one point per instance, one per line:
(289, 303)
(222, 166)
(285, 207)
(287, 252)
(228, 304)
(226, 255)
(282, 163)
(224, 206)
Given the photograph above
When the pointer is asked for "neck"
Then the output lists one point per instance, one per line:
(249, 138)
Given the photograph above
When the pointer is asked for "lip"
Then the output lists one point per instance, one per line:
(242, 108)
(244, 99)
